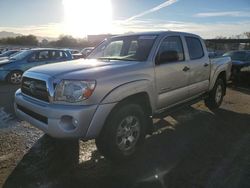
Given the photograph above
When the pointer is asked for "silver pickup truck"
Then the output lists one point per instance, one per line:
(126, 81)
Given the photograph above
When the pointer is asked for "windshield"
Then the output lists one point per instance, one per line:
(20, 55)
(7, 53)
(127, 48)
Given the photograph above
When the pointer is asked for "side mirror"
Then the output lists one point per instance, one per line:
(168, 56)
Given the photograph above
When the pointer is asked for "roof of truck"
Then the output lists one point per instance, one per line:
(157, 33)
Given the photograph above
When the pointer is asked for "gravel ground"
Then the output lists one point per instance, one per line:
(193, 147)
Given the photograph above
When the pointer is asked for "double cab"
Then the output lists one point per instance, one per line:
(113, 95)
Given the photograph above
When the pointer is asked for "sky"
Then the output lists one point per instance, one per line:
(51, 18)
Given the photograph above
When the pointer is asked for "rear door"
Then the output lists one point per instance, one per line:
(199, 65)
(171, 76)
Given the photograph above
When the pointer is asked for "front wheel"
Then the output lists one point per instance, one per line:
(15, 77)
(123, 133)
(216, 95)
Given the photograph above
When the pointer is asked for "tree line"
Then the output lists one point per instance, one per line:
(67, 41)
(29, 40)
(64, 41)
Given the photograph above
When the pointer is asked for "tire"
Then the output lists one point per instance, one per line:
(216, 95)
(123, 133)
(15, 77)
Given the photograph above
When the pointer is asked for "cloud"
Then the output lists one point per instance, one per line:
(223, 14)
(205, 30)
(162, 5)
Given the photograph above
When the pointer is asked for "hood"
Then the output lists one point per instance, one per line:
(70, 67)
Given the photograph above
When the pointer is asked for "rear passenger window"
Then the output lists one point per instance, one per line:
(194, 48)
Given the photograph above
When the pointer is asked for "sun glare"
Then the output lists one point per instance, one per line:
(83, 17)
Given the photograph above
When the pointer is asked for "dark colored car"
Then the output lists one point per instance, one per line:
(8, 53)
(240, 64)
(11, 69)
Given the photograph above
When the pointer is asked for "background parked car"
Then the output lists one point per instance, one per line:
(86, 51)
(12, 69)
(76, 54)
(9, 53)
(240, 64)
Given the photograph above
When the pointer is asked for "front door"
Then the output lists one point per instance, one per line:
(171, 72)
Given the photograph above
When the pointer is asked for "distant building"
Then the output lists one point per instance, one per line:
(98, 38)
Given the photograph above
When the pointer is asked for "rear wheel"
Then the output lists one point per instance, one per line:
(216, 95)
(15, 77)
(123, 133)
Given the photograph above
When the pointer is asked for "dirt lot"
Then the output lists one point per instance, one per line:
(193, 147)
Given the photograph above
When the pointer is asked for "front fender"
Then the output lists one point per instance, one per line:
(131, 88)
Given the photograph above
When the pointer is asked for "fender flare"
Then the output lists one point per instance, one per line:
(214, 77)
(128, 89)
(112, 99)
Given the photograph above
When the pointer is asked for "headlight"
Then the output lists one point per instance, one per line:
(74, 90)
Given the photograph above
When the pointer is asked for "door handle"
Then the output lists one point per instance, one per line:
(185, 69)
(206, 64)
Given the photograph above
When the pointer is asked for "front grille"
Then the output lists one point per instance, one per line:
(35, 88)
(33, 114)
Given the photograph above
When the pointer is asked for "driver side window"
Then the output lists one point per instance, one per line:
(171, 50)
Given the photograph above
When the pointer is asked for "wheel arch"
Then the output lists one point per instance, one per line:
(221, 73)
(105, 111)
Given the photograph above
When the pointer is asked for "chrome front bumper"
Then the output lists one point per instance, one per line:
(57, 120)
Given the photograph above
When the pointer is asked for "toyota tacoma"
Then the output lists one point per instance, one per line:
(126, 81)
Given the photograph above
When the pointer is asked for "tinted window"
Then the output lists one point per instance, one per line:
(172, 49)
(194, 48)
